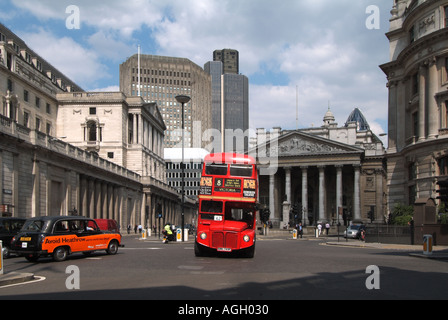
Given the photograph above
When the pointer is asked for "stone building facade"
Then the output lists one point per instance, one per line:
(417, 74)
(330, 173)
(65, 151)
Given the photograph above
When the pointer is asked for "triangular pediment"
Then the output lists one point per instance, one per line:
(298, 143)
(154, 111)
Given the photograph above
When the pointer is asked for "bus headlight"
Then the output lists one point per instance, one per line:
(203, 236)
(246, 238)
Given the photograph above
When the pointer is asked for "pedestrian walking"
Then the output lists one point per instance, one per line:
(327, 227)
(319, 228)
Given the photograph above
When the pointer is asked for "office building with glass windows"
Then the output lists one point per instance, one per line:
(160, 79)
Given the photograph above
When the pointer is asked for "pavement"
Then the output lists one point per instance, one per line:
(439, 252)
(15, 278)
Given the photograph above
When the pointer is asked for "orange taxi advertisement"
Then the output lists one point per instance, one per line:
(61, 236)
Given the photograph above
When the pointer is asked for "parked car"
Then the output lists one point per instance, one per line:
(108, 225)
(9, 227)
(354, 231)
(61, 236)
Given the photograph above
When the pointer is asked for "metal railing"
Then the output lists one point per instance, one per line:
(388, 234)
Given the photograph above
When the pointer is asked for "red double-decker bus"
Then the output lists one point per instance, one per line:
(227, 205)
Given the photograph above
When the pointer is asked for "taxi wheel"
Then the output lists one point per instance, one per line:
(6, 253)
(112, 248)
(60, 254)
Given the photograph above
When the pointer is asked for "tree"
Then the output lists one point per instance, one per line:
(401, 215)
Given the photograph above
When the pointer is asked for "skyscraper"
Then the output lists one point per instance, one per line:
(229, 58)
(230, 101)
(161, 80)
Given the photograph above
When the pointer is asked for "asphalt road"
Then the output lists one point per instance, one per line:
(282, 269)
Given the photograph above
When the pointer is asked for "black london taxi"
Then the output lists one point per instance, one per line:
(61, 236)
(9, 227)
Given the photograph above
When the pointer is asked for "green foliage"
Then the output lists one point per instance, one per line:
(443, 213)
(401, 215)
(444, 218)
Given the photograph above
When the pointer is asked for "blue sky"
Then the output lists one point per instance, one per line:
(323, 47)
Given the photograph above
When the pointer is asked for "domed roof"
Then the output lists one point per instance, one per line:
(329, 117)
(358, 117)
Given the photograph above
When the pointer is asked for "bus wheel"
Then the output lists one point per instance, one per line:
(249, 252)
(198, 251)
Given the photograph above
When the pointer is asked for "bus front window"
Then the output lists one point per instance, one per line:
(240, 214)
(216, 169)
(211, 206)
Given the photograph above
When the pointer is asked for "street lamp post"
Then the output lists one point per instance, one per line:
(183, 99)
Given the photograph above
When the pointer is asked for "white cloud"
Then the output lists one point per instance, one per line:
(76, 62)
(322, 46)
(125, 16)
(107, 89)
(105, 44)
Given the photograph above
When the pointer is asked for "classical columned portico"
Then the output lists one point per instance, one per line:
(319, 189)
(322, 178)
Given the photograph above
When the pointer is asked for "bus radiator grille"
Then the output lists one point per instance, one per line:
(229, 241)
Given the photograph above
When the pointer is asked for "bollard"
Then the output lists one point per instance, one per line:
(143, 234)
(1, 257)
(427, 244)
(148, 233)
(294, 234)
(179, 235)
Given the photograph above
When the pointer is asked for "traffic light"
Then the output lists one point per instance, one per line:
(443, 191)
(264, 216)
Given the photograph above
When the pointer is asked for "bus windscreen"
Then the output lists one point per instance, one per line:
(211, 206)
(241, 170)
(216, 169)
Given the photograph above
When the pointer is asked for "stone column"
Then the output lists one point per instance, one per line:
(286, 207)
(103, 201)
(91, 197)
(110, 202)
(338, 188)
(288, 184)
(97, 213)
(304, 195)
(271, 196)
(392, 116)
(400, 128)
(433, 112)
(321, 193)
(35, 203)
(356, 195)
(83, 208)
(134, 133)
(422, 103)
